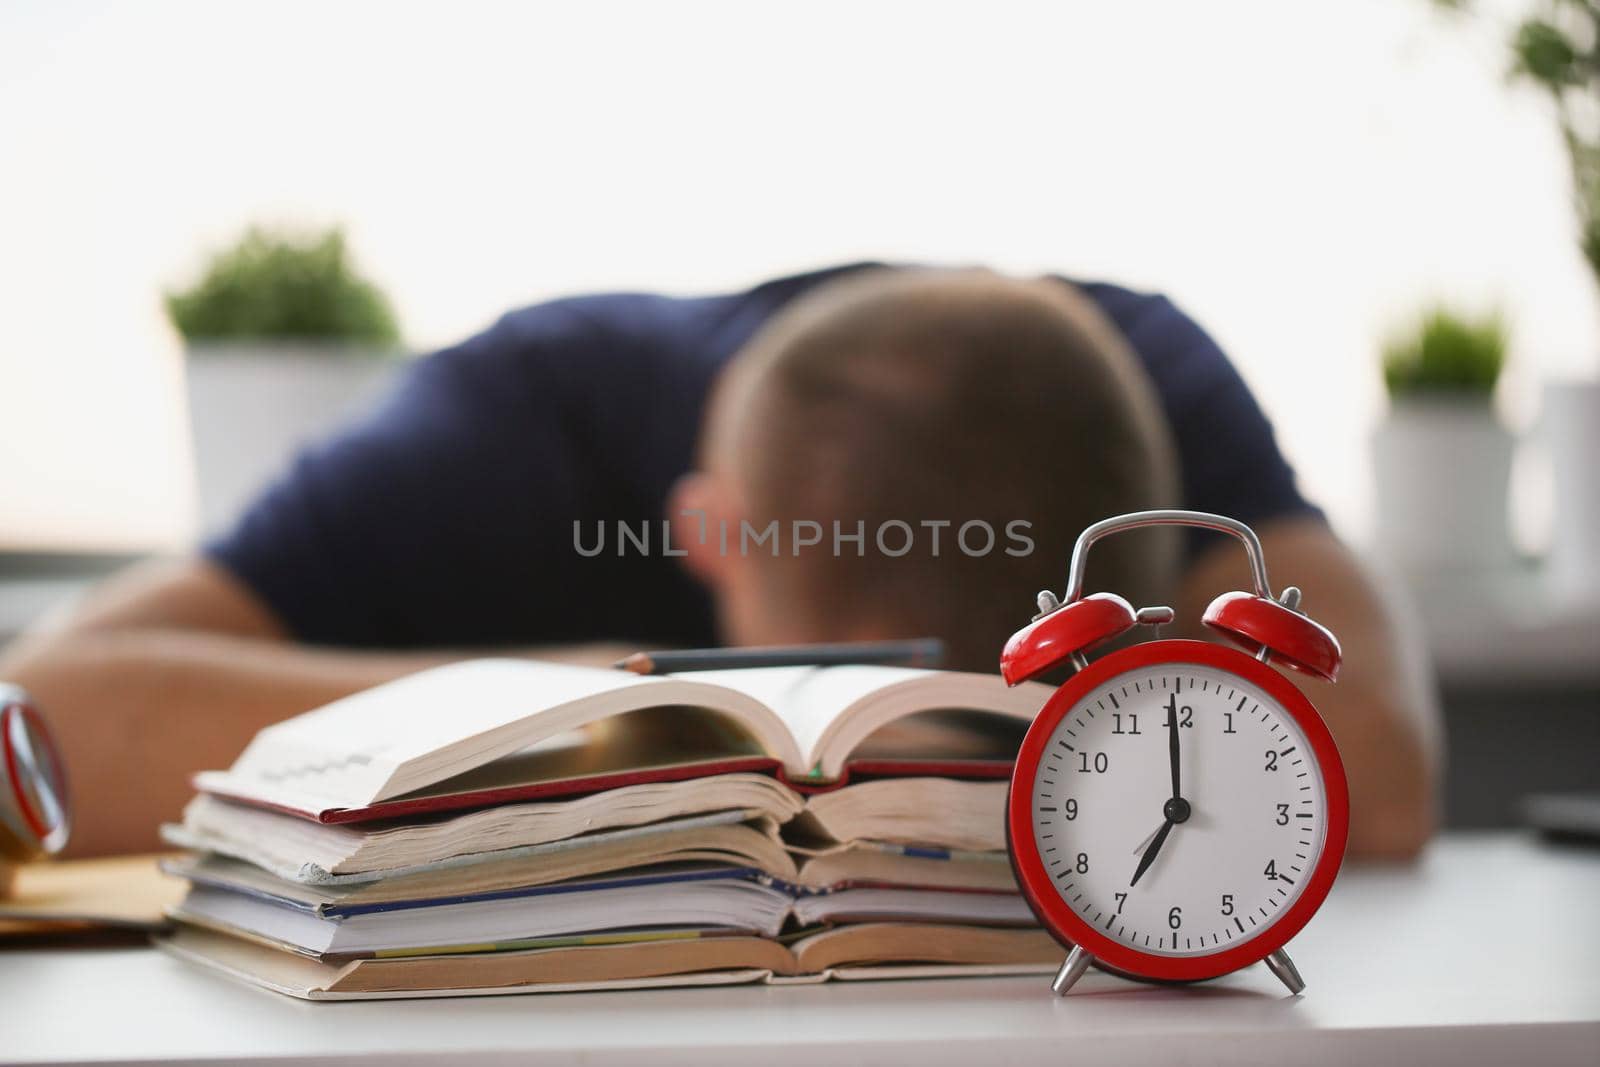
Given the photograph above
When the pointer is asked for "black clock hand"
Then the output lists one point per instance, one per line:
(1149, 856)
(1176, 809)
(1172, 743)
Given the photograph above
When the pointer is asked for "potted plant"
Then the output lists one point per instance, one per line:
(284, 340)
(1557, 50)
(1443, 457)
(1549, 54)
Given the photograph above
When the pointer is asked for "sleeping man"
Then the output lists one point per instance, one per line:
(858, 453)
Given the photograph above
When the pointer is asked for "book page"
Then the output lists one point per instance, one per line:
(832, 710)
(810, 699)
(944, 734)
(419, 730)
(668, 735)
(917, 695)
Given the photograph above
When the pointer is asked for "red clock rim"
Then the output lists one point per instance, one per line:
(1034, 878)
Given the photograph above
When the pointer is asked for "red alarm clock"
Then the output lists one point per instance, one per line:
(1178, 809)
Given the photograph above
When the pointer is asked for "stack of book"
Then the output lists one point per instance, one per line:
(504, 826)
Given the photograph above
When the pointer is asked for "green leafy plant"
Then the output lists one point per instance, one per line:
(1558, 50)
(1444, 353)
(278, 286)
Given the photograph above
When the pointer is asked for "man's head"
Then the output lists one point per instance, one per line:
(966, 424)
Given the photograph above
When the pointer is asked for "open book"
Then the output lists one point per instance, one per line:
(499, 730)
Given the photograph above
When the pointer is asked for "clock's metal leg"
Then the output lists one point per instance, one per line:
(1077, 962)
(1281, 965)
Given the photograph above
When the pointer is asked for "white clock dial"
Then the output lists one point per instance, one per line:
(1237, 851)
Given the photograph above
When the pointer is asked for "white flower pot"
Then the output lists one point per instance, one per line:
(252, 406)
(1443, 467)
(1571, 430)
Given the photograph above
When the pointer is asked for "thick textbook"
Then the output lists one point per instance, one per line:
(687, 896)
(858, 864)
(672, 959)
(940, 812)
(492, 731)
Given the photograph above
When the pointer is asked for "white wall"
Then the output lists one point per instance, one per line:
(1296, 174)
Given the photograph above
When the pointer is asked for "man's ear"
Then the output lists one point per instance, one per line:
(699, 507)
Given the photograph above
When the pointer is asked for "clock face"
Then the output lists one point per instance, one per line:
(1192, 871)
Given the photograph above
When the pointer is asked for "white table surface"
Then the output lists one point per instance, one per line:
(1488, 951)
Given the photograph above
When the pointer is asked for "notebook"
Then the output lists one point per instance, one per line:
(83, 896)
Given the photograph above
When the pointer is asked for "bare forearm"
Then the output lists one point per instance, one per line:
(1382, 710)
(170, 668)
(137, 712)
(1392, 772)
(1383, 714)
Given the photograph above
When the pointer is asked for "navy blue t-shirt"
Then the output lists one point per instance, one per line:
(445, 518)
